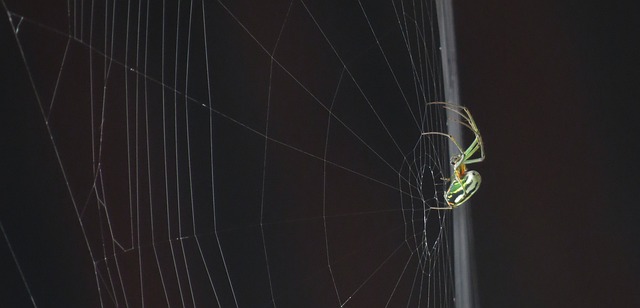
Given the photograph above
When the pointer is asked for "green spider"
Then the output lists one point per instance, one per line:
(465, 182)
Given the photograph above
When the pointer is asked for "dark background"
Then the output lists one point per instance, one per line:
(553, 86)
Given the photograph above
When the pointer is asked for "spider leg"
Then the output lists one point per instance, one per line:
(459, 163)
(469, 123)
(448, 136)
(472, 149)
(454, 108)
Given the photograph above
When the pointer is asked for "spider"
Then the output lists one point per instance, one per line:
(465, 182)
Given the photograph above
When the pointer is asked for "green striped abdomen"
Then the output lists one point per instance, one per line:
(461, 191)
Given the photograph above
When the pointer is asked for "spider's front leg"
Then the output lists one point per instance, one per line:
(446, 135)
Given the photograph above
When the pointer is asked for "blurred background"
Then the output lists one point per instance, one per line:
(554, 87)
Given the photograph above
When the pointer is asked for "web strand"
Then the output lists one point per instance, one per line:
(245, 155)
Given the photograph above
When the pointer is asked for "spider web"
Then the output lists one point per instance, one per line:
(236, 154)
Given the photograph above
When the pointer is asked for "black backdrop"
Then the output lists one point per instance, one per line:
(554, 88)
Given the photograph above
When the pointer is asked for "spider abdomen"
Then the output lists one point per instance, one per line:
(460, 191)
